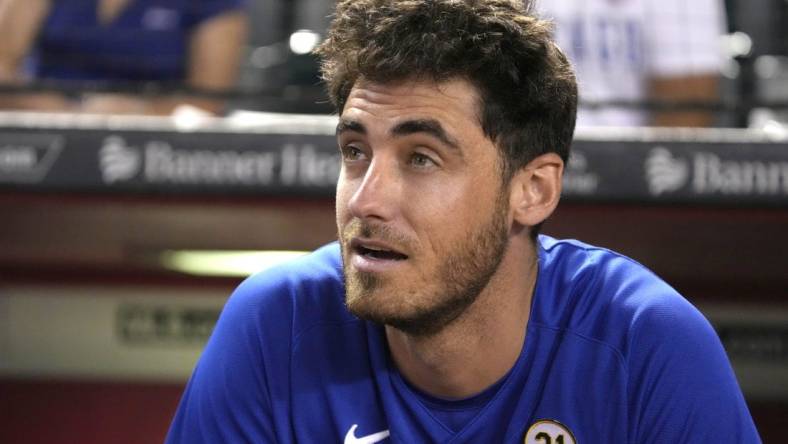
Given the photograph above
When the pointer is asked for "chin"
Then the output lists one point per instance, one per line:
(385, 306)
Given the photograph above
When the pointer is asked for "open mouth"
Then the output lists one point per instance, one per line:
(377, 252)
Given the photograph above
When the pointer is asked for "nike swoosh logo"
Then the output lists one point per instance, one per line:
(350, 438)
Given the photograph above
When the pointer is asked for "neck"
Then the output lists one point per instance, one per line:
(479, 347)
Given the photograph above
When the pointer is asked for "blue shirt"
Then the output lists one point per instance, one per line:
(147, 41)
(612, 355)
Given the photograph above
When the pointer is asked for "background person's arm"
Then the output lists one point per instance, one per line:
(215, 55)
(20, 22)
(678, 89)
(682, 41)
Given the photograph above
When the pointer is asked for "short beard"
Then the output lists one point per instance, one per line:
(461, 277)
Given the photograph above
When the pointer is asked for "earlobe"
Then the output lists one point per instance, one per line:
(536, 189)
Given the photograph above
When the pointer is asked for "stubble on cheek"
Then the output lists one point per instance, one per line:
(364, 290)
(359, 287)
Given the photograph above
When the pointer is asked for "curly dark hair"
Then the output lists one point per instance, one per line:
(526, 85)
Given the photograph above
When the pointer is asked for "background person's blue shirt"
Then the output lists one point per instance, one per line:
(147, 41)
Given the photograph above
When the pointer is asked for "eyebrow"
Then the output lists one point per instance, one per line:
(430, 127)
(346, 125)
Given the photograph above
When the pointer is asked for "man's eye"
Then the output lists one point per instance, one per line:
(350, 152)
(421, 160)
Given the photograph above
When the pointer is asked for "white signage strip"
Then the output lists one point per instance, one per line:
(156, 334)
(100, 333)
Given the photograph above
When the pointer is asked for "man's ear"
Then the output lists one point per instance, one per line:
(536, 189)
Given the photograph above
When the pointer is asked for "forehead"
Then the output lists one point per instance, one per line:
(453, 103)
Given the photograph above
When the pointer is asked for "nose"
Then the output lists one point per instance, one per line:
(376, 195)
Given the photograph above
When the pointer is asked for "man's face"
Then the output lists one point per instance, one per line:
(421, 210)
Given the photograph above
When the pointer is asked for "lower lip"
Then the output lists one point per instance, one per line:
(368, 264)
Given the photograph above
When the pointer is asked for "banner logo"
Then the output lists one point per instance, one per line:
(716, 175)
(664, 172)
(118, 161)
(28, 158)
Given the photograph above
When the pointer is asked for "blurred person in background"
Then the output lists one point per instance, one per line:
(174, 43)
(639, 50)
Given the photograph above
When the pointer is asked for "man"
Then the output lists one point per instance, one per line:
(441, 316)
